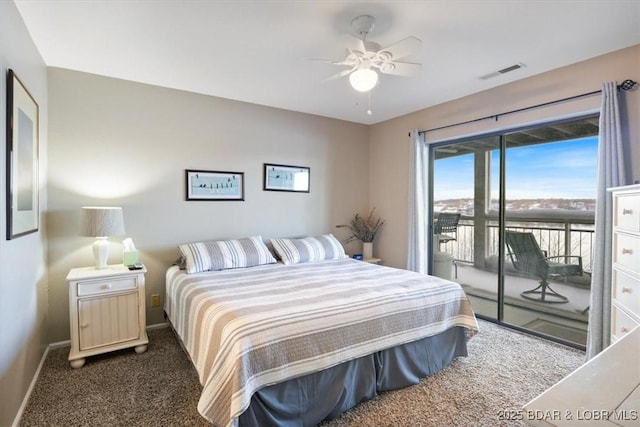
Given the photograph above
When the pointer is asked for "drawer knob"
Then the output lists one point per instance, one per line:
(627, 251)
(624, 330)
(627, 211)
(108, 285)
(626, 290)
(84, 325)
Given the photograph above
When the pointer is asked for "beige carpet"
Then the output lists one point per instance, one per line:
(504, 370)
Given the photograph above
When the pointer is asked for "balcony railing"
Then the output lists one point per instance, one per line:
(573, 236)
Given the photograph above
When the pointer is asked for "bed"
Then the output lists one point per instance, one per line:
(296, 343)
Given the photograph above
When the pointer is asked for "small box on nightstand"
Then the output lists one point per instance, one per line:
(130, 257)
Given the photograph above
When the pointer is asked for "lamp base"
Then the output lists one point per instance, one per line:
(101, 252)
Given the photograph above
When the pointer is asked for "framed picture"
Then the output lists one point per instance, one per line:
(214, 185)
(22, 160)
(286, 178)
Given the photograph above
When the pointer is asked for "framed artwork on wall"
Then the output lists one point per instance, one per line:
(286, 178)
(214, 185)
(22, 160)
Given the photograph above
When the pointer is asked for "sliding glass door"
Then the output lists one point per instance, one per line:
(522, 245)
(462, 184)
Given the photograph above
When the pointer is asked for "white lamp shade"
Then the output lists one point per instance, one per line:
(101, 222)
(363, 79)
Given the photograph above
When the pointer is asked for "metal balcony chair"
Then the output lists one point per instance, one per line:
(528, 258)
(447, 222)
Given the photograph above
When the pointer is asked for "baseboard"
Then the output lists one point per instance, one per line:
(59, 344)
(53, 346)
(158, 326)
(16, 420)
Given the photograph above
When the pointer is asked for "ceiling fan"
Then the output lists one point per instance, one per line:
(365, 57)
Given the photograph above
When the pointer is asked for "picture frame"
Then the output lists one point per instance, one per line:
(286, 178)
(23, 210)
(214, 185)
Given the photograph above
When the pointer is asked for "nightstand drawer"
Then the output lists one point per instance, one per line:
(621, 323)
(106, 286)
(626, 290)
(627, 212)
(626, 251)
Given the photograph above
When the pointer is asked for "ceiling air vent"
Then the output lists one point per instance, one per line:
(503, 71)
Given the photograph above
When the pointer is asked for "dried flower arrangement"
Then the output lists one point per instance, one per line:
(364, 228)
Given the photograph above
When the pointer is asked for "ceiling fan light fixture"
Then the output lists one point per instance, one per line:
(363, 79)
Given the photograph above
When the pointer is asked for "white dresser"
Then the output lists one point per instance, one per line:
(625, 280)
(106, 311)
(604, 392)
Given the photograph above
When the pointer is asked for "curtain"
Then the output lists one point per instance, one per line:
(418, 189)
(611, 173)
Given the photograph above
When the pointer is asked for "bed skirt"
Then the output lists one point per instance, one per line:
(324, 395)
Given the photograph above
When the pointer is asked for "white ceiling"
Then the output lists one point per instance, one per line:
(258, 51)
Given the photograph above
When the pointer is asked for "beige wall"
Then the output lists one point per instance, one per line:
(23, 274)
(389, 156)
(114, 142)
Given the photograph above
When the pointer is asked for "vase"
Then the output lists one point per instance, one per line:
(367, 250)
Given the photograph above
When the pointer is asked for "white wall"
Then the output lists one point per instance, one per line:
(113, 142)
(23, 277)
(390, 143)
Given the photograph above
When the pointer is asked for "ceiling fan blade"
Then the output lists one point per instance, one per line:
(329, 61)
(334, 62)
(352, 43)
(403, 48)
(342, 74)
(401, 68)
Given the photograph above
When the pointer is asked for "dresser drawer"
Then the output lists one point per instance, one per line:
(621, 323)
(626, 290)
(626, 251)
(627, 212)
(106, 286)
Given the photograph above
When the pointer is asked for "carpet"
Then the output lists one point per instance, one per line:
(504, 370)
(558, 330)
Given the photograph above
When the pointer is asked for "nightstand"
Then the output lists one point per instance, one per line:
(106, 311)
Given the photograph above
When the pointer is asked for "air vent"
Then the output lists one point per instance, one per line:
(513, 67)
(503, 71)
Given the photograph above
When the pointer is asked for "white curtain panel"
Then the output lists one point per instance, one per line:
(611, 173)
(418, 190)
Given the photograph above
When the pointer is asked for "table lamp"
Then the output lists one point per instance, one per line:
(101, 223)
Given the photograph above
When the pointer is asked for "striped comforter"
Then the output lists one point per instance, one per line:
(248, 328)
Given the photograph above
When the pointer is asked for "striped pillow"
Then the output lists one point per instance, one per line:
(224, 254)
(308, 249)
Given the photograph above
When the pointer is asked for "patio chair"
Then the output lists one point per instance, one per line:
(528, 258)
(446, 222)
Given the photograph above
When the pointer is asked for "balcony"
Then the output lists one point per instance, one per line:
(558, 233)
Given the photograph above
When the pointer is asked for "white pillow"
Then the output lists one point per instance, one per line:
(224, 254)
(308, 249)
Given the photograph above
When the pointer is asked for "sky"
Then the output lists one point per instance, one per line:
(565, 169)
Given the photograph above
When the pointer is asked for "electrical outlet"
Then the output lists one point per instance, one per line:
(155, 301)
